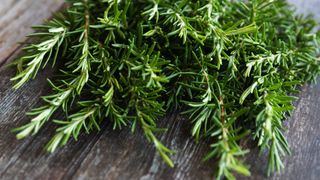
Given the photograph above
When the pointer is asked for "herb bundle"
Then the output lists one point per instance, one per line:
(230, 66)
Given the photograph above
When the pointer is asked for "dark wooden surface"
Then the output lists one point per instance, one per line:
(16, 17)
(112, 154)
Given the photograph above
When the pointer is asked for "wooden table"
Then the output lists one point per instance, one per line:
(112, 154)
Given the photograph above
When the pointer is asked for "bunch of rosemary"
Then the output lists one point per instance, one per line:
(231, 66)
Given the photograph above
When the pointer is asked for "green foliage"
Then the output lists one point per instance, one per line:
(230, 66)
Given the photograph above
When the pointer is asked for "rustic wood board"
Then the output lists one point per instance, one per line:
(112, 154)
(16, 18)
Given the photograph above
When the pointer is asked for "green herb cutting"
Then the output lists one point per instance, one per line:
(232, 67)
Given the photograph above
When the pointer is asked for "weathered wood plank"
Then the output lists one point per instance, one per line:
(16, 19)
(120, 153)
(129, 162)
(126, 156)
(309, 7)
(303, 134)
(27, 158)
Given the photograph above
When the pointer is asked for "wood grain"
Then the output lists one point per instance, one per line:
(112, 154)
(16, 19)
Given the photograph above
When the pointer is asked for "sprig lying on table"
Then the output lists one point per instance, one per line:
(230, 66)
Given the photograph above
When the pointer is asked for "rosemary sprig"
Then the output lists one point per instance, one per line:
(231, 66)
(39, 54)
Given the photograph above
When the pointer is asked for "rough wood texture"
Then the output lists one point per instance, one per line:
(16, 17)
(112, 154)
